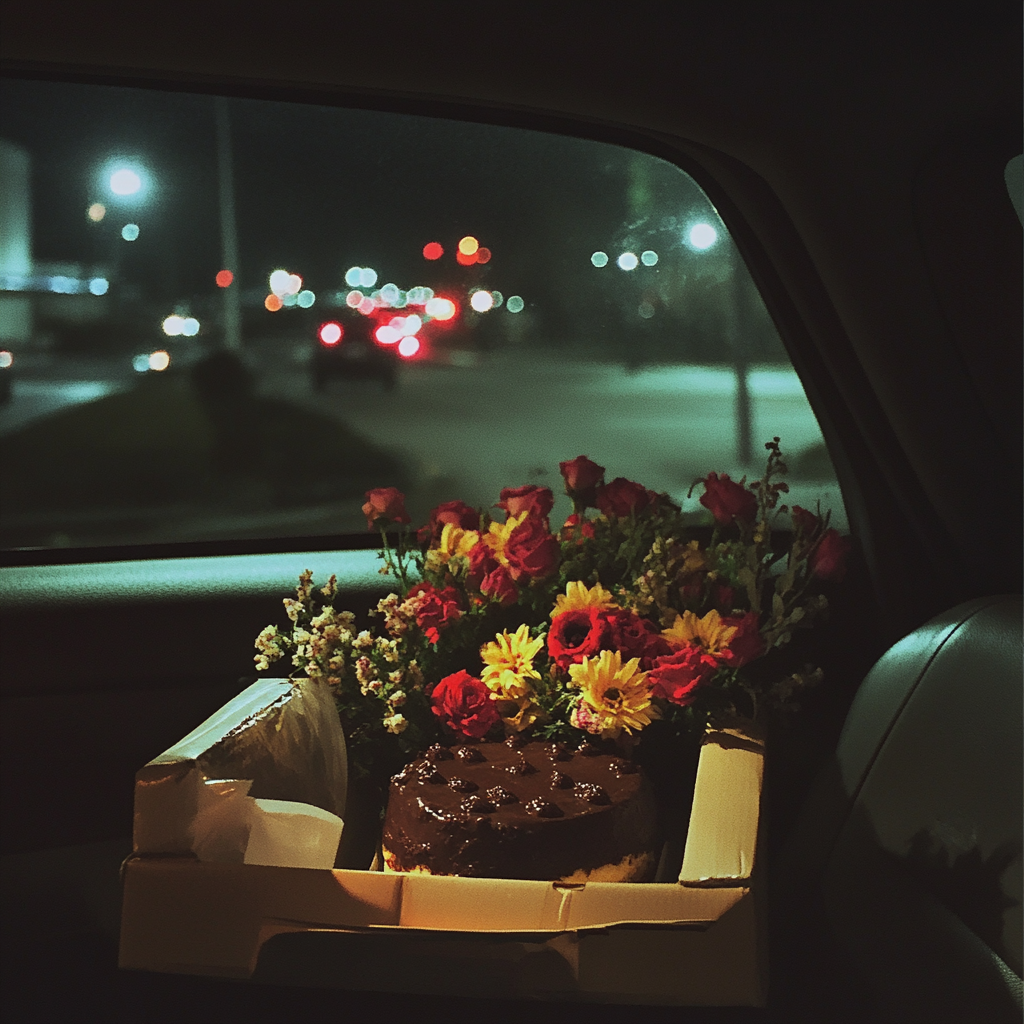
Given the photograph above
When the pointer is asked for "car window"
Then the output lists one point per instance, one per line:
(230, 318)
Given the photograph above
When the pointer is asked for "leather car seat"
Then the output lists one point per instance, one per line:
(913, 833)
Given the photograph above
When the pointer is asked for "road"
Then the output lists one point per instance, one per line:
(467, 431)
(510, 420)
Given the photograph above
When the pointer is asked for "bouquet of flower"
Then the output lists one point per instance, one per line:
(501, 625)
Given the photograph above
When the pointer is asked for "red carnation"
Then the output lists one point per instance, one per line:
(499, 586)
(457, 513)
(622, 497)
(384, 505)
(464, 704)
(531, 550)
(437, 610)
(677, 677)
(746, 643)
(828, 561)
(576, 635)
(581, 479)
(728, 500)
(538, 501)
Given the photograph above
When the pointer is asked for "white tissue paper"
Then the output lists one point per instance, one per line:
(232, 827)
(292, 835)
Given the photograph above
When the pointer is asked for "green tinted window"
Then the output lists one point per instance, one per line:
(230, 318)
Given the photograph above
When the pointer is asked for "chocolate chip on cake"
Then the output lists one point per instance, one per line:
(591, 792)
(439, 753)
(470, 755)
(559, 780)
(622, 767)
(500, 795)
(463, 785)
(521, 767)
(428, 773)
(588, 749)
(559, 752)
(514, 742)
(477, 805)
(544, 808)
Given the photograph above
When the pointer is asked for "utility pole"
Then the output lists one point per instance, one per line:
(228, 229)
(741, 355)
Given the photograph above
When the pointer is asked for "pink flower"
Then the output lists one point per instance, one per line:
(584, 717)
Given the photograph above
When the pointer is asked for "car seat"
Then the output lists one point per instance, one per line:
(906, 862)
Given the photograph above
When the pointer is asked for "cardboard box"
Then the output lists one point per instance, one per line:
(693, 940)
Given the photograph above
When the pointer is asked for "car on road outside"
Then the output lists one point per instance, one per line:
(352, 354)
(857, 154)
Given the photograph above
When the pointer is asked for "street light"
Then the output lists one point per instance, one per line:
(125, 180)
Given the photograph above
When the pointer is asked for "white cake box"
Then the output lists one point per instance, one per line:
(236, 829)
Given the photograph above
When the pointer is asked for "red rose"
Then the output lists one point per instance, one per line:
(498, 586)
(728, 500)
(622, 497)
(746, 643)
(803, 521)
(828, 560)
(481, 562)
(457, 513)
(634, 637)
(581, 479)
(437, 610)
(531, 550)
(385, 505)
(538, 501)
(576, 635)
(677, 677)
(586, 528)
(464, 704)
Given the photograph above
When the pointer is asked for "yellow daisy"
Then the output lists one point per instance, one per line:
(617, 694)
(710, 632)
(577, 597)
(497, 537)
(508, 664)
(456, 541)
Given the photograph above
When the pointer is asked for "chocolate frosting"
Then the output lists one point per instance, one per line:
(518, 810)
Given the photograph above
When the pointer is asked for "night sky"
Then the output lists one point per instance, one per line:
(321, 189)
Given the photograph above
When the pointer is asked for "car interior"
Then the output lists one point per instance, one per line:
(860, 163)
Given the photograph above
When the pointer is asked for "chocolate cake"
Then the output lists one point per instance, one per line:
(522, 810)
